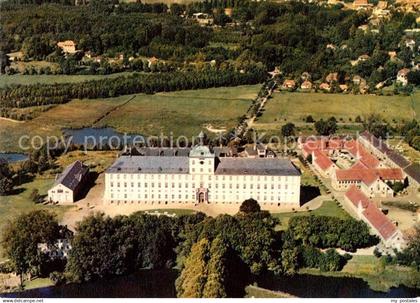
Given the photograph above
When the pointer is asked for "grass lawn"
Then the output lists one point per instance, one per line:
(97, 160)
(37, 283)
(379, 276)
(328, 208)
(14, 205)
(406, 150)
(51, 79)
(258, 292)
(286, 106)
(77, 113)
(182, 112)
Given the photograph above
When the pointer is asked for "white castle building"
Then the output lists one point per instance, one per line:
(201, 175)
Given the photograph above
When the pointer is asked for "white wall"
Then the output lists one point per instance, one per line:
(181, 188)
(60, 194)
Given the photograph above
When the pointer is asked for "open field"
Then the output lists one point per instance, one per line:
(77, 113)
(406, 150)
(285, 107)
(379, 276)
(328, 208)
(183, 112)
(51, 79)
(97, 161)
(16, 204)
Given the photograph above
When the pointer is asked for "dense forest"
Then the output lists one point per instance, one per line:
(292, 35)
(216, 257)
(37, 94)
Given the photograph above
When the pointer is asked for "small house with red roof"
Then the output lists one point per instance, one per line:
(402, 76)
(289, 84)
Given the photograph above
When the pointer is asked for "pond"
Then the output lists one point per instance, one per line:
(161, 284)
(144, 284)
(13, 157)
(100, 137)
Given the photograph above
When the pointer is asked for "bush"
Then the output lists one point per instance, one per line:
(6, 267)
(377, 253)
(57, 278)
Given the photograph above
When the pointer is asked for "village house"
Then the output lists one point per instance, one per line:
(15, 56)
(367, 211)
(331, 77)
(69, 184)
(331, 46)
(363, 58)
(325, 87)
(392, 54)
(228, 11)
(357, 80)
(68, 46)
(402, 76)
(361, 4)
(203, 19)
(410, 43)
(289, 84)
(343, 87)
(306, 85)
(305, 76)
(151, 61)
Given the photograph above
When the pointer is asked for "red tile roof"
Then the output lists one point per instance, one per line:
(322, 160)
(356, 196)
(358, 165)
(377, 219)
(358, 151)
(369, 161)
(380, 222)
(368, 176)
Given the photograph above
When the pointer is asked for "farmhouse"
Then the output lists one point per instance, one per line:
(289, 84)
(201, 176)
(203, 19)
(325, 87)
(306, 85)
(402, 76)
(69, 184)
(68, 46)
(367, 211)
